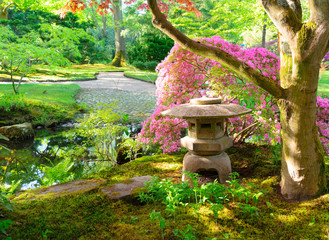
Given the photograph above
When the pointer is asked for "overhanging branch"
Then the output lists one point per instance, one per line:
(5, 9)
(215, 53)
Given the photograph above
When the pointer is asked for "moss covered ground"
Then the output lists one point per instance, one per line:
(93, 215)
(39, 104)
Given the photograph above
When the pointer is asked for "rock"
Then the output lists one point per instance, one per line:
(18, 132)
(74, 187)
(120, 190)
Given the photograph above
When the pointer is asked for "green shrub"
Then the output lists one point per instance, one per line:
(149, 48)
(145, 65)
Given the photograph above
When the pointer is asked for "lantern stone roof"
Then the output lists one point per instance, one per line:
(206, 108)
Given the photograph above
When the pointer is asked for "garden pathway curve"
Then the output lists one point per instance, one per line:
(131, 96)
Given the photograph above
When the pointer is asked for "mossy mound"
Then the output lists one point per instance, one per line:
(59, 190)
(93, 215)
(18, 132)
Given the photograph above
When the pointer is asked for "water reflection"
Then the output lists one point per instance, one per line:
(55, 155)
(28, 165)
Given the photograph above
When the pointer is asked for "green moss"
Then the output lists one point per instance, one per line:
(93, 215)
(306, 34)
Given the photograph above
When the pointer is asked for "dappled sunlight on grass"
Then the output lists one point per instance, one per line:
(324, 83)
(129, 219)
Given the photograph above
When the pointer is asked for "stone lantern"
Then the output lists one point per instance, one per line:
(206, 140)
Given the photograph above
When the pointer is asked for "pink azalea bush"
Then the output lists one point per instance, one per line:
(184, 75)
(323, 122)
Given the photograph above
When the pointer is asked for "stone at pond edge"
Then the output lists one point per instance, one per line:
(74, 187)
(18, 132)
(120, 190)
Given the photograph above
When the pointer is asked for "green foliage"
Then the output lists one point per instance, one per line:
(93, 214)
(186, 234)
(149, 48)
(162, 222)
(23, 22)
(59, 173)
(102, 134)
(226, 18)
(4, 224)
(181, 194)
(323, 88)
(74, 37)
(145, 65)
(19, 54)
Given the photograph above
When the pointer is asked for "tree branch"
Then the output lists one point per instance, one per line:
(320, 37)
(20, 81)
(286, 16)
(215, 53)
(319, 10)
(5, 9)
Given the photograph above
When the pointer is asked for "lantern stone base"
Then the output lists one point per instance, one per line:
(220, 163)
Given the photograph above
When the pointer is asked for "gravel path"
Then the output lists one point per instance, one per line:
(134, 97)
(131, 96)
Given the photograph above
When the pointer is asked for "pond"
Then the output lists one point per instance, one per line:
(54, 156)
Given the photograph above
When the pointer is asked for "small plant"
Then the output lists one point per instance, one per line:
(4, 225)
(59, 173)
(187, 234)
(100, 131)
(162, 222)
(44, 233)
(249, 210)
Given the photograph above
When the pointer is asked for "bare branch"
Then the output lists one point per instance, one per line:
(285, 14)
(20, 81)
(215, 53)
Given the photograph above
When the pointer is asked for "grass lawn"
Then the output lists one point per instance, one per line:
(81, 72)
(324, 83)
(148, 76)
(40, 104)
(93, 215)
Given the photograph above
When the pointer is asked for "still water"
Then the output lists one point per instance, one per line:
(28, 163)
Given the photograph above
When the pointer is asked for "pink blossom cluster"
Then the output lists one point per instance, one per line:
(323, 121)
(326, 59)
(184, 75)
(162, 130)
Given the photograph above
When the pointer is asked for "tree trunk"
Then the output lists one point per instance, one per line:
(4, 10)
(94, 16)
(264, 30)
(302, 172)
(3, 14)
(264, 36)
(120, 43)
(104, 18)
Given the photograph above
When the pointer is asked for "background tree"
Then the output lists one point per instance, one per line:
(19, 54)
(146, 45)
(301, 53)
(120, 43)
(28, 5)
(104, 7)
